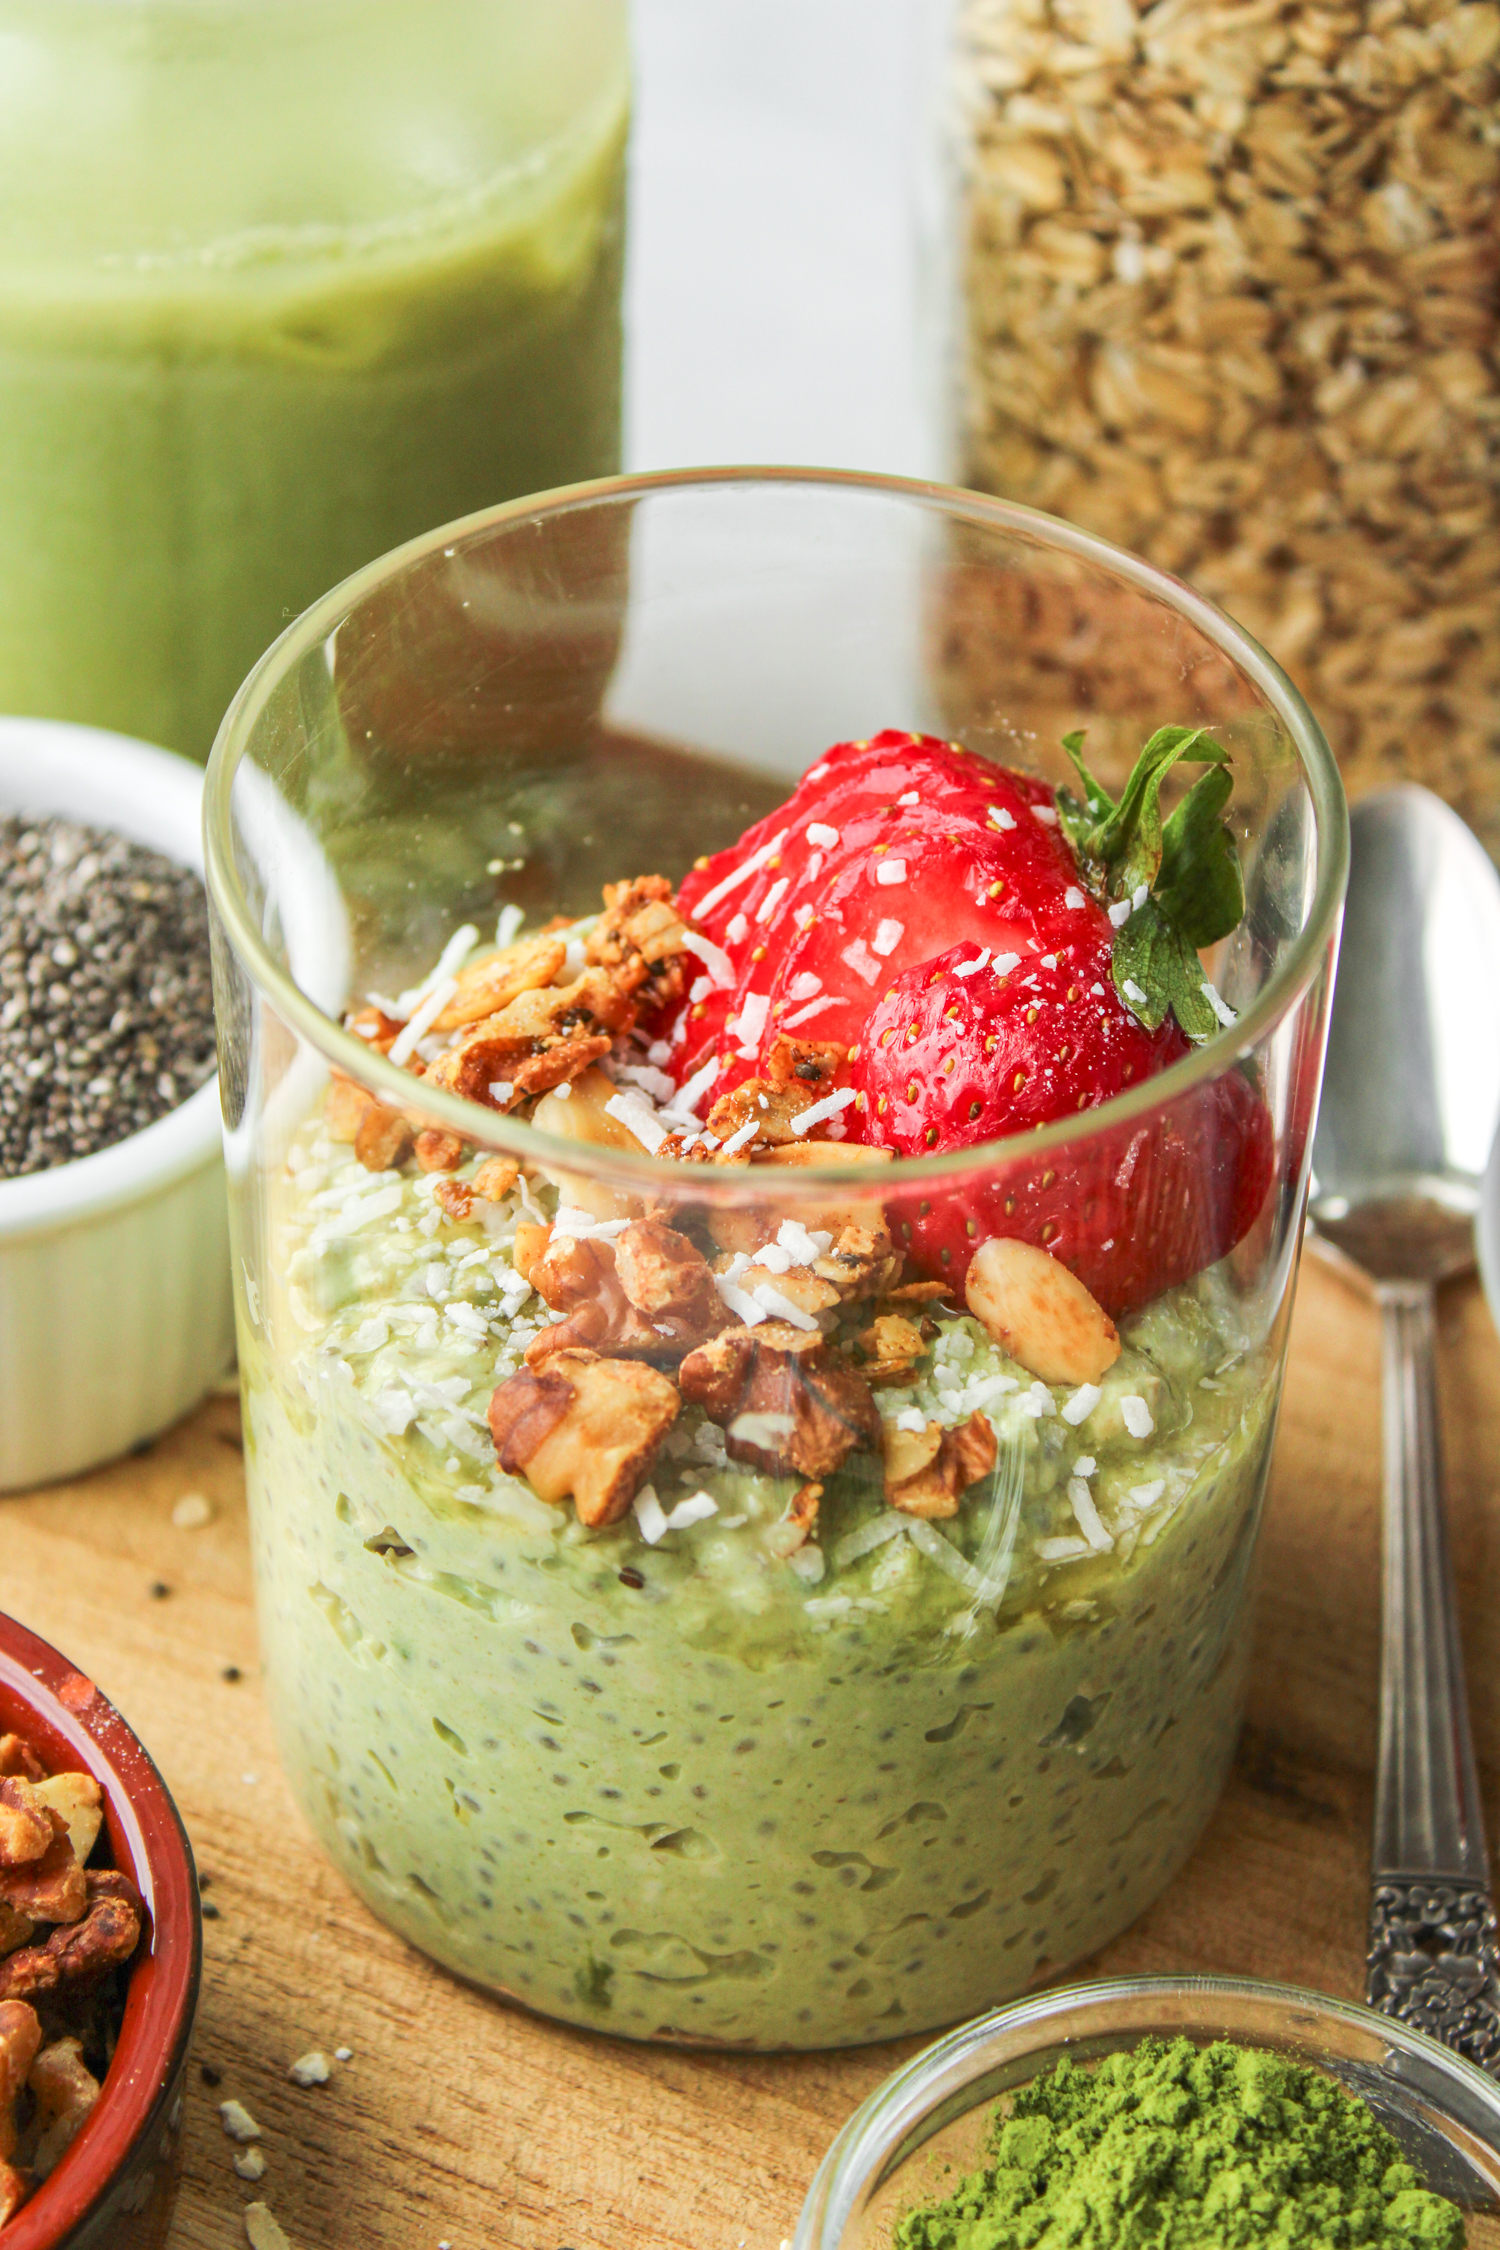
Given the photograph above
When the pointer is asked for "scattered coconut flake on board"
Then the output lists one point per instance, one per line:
(250, 2163)
(193, 1511)
(237, 2122)
(311, 2069)
(262, 2230)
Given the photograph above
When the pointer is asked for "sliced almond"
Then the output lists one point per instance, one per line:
(1039, 1313)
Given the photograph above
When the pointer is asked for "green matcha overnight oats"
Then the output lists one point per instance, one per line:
(758, 1387)
(669, 1784)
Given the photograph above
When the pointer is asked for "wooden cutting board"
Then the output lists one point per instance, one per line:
(462, 2121)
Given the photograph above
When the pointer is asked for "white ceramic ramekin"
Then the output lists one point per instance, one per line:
(115, 1309)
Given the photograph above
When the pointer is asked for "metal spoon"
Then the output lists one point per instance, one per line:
(1410, 1107)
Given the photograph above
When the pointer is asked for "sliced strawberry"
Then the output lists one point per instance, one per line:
(952, 1061)
(955, 1053)
(887, 852)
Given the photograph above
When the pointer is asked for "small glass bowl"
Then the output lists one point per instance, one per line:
(916, 2135)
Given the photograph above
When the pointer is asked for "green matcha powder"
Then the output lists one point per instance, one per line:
(1177, 2147)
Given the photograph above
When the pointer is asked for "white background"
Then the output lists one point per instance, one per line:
(784, 300)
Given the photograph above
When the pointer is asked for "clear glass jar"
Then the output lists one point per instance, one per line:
(796, 1767)
(1230, 285)
(282, 283)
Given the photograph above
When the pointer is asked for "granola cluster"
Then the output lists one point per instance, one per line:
(780, 1331)
(1231, 276)
(65, 1928)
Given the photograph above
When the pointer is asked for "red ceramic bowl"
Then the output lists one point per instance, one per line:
(115, 2188)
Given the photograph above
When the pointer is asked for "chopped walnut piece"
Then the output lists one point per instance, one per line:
(892, 1345)
(669, 1282)
(489, 1182)
(438, 1150)
(375, 1027)
(344, 1107)
(52, 1888)
(783, 1405)
(384, 1138)
(862, 1262)
(810, 1063)
(25, 1824)
(81, 1952)
(927, 1471)
(538, 1040)
(802, 1286)
(16, 1928)
(488, 985)
(18, 1757)
(20, 2038)
(78, 1800)
(15, 2187)
(798, 1524)
(66, 2090)
(745, 1226)
(576, 1277)
(641, 934)
(770, 1108)
(604, 1439)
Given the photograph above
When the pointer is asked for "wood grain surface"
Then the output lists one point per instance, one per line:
(462, 2121)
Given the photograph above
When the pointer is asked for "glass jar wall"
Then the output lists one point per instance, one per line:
(282, 283)
(784, 1672)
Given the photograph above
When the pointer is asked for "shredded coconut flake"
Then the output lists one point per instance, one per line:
(1002, 818)
(861, 960)
(649, 1514)
(813, 1008)
(1004, 962)
(638, 1117)
(717, 962)
(1045, 814)
(427, 1014)
(686, 1102)
(891, 871)
(750, 1023)
(972, 968)
(509, 926)
(738, 930)
(1073, 897)
(773, 898)
(803, 986)
(1220, 1006)
(1119, 913)
(742, 873)
(1136, 1415)
(1082, 1403)
(887, 938)
(1133, 993)
(740, 1136)
(821, 835)
(1090, 1523)
(829, 1106)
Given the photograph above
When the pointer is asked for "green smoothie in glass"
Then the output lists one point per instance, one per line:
(282, 283)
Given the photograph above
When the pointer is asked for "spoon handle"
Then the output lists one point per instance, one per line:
(1432, 1958)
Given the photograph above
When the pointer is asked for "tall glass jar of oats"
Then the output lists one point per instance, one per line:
(1231, 300)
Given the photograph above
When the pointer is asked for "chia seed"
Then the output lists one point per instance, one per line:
(106, 1008)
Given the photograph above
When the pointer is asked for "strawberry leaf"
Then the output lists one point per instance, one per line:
(1187, 866)
(1199, 887)
(1156, 968)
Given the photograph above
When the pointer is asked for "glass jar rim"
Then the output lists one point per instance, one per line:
(353, 1057)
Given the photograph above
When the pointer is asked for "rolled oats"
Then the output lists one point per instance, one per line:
(1231, 274)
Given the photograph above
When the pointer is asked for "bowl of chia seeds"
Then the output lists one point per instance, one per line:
(115, 1310)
